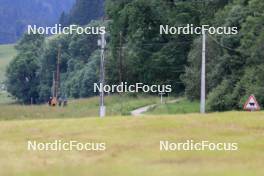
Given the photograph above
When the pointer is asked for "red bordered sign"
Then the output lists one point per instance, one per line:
(252, 104)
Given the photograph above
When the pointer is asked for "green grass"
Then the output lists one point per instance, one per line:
(182, 107)
(7, 53)
(115, 105)
(133, 146)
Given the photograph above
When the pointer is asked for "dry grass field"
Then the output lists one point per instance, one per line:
(133, 146)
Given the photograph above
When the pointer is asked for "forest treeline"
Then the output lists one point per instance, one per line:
(136, 52)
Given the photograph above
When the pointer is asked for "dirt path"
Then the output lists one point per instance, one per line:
(142, 110)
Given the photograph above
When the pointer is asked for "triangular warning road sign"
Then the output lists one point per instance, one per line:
(252, 104)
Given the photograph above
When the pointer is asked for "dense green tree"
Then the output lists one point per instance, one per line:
(22, 73)
(31, 73)
(81, 81)
(146, 55)
(235, 73)
(78, 65)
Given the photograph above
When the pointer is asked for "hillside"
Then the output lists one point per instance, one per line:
(133, 146)
(16, 14)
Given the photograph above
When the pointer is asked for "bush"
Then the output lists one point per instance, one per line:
(221, 99)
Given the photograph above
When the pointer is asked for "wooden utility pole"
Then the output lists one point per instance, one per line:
(120, 58)
(57, 80)
(53, 83)
(120, 70)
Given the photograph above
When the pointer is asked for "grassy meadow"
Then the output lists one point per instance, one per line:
(116, 105)
(133, 146)
(183, 106)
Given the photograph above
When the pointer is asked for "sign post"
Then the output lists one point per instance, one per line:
(161, 97)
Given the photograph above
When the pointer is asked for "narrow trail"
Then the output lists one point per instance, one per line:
(142, 110)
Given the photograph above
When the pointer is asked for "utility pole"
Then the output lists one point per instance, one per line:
(53, 84)
(120, 70)
(57, 81)
(102, 43)
(203, 75)
(120, 58)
